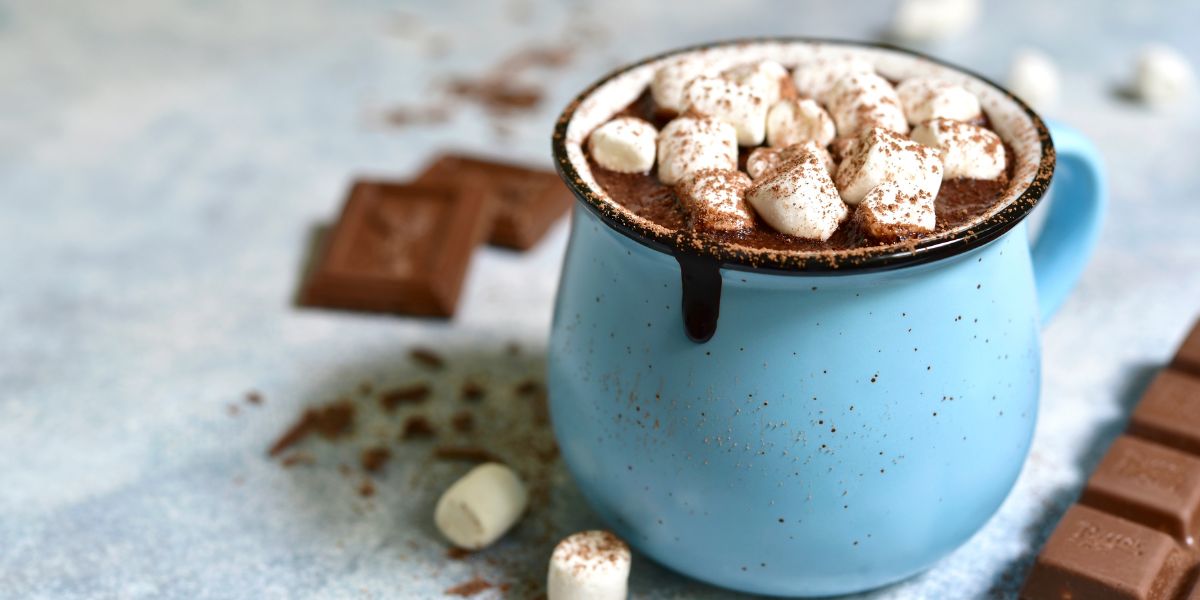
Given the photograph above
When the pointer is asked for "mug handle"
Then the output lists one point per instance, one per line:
(1079, 194)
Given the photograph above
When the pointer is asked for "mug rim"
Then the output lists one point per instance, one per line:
(847, 262)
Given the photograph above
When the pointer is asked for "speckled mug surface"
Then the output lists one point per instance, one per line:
(852, 419)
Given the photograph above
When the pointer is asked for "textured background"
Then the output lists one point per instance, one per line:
(163, 168)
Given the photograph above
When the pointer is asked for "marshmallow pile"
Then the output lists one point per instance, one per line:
(893, 145)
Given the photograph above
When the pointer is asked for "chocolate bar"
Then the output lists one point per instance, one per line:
(527, 201)
(400, 248)
(1133, 533)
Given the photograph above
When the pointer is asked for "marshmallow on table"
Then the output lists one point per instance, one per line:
(966, 150)
(715, 199)
(688, 144)
(1033, 78)
(765, 77)
(798, 120)
(736, 104)
(890, 212)
(799, 199)
(763, 160)
(925, 98)
(478, 508)
(590, 565)
(1163, 76)
(879, 156)
(814, 79)
(624, 144)
(929, 20)
(670, 80)
(862, 100)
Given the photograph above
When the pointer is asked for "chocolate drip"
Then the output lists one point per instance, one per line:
(701, 282)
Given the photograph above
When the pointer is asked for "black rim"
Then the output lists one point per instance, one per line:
(846, 262)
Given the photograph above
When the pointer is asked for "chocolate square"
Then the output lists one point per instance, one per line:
(1169, 412)
(1150, 484)
(400, 248)
(527, 201)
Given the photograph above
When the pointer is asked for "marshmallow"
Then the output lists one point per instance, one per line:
(799, 199)
(799, 120)
(862, 100)
(764, 160)
(925, 98)
(930, 20)
(1163, 76)
(715, 199)
(670, 80)
(966, 150)
(880, 155)
(590, 565)
(765, 77)
(624, 145)
(890, 212)
(736, 104)
(688, 144)
(478, 508)
(1033, 78)
(815, 78)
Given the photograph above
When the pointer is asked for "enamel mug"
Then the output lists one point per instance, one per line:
(800, 424)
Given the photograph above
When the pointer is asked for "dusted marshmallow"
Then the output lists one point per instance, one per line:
(688, 144)
(765, 77)
(1163, 76)
(925, 98)
(624, 144)
(1034, 79)
(736, 104)
(890, 212)
(715, 199)
(478, 508)
(763, 160)
(799, 199)
(863, 100)
(590, 565)
(930, 20)
(879, 156)
(814, 79)
(798, 120)
(670, 80)
(966, 150)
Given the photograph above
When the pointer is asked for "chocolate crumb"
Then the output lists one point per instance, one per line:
(427, 358)
(253, 397)
(413, 394)
(405, 116)
(472, 391)
(470, 588)
(465, 453)
(297, 459)
(366, 489)
(233, 410)
(463, 422)
(374, 459)
(456, 553)
(417, 426)
(330, 422)
(529, 387)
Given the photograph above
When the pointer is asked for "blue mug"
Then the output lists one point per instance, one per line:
(815, 425)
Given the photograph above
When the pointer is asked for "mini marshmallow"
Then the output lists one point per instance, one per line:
(765, 77)
(799, 199)
(590, 565)
(763, 160)
(736, 104)
(930, 20)
(862, 100)
(1033, 78)
(624, 144)
(889, 212)
(1163, 76)
(925, 98)
(880, 155)
(688, 144)
(966, 150)
(814, 79)
(670, 80)
(478, 508)
(798, 120)
(715, 199)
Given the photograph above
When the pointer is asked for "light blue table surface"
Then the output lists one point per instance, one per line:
(163, 165)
